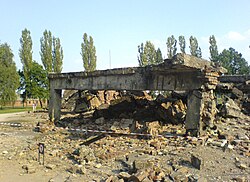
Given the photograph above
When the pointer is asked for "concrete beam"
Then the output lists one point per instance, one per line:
(234, 78)
(128, 79)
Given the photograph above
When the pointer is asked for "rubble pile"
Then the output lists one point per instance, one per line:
(82, 101)
(137, 105)
(232, 102)
(237, 88)
(131, 159)
(78, 156)
(139, 108)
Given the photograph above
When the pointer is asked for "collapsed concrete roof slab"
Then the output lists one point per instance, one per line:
(188, 61)
(235, 78)
(242, 82)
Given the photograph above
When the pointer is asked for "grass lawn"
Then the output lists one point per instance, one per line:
(4, 110)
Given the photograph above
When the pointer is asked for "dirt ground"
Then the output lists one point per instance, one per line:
(69, 157)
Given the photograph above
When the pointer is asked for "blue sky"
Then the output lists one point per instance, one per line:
(120, 26)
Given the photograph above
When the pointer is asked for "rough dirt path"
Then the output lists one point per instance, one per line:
(12, 116)
(13, 142)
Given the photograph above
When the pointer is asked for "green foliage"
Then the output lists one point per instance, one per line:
(171, 46)
(150, 53)
(147, 54)
(51, 53)
(37, 84)
(233, 62)
(195, 50)
(25, 52)
(141, 58)
(33, 78)
(9, 79)
(46, 51)
(38, 81)
(199, 53)
(213, 49)
(57, 55)
(5, 110)
(159, 58)
(88, 52)
(23, 91)
(182, 43)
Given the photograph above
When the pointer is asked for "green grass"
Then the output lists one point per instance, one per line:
(4, 110)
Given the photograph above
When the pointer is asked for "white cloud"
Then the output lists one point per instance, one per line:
(247, 33)
(235, 36)
(240, 41)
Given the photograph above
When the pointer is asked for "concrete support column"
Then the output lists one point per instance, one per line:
(55, 104)
(201, 112)
(193, 119)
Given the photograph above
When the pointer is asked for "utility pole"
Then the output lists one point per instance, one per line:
(109, 59)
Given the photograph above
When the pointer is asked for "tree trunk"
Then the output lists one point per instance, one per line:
(41, 103)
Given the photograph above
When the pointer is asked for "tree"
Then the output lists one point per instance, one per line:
(25, 54)
(147, 54)
(159, 58)
(182, 43)
(46, 51)
(150, 53)
(88, 52)
(213, 49)
(51, 53)
(199, 53)
(233, 62)
(37, 86)
(9, 79)
(171, 46)
(38, 82)
(57, 56)
(195, 50)
(141, 57)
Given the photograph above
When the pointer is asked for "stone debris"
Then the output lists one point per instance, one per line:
(5, 152)
(82, 101)
(138, 176)
(124, 175)
(240, 165)
(240, 179)
(173, 112)
(29, 169)
(197, 162)
(137, 105)
(142, 164)
(121, 158)
(50, 166)
(84, 155)
(231, 109)
(100, 121)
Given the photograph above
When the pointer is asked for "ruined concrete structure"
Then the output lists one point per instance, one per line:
(182, 73)
(242, 82)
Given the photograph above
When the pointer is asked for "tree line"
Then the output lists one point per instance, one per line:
(32, 80)
(231, 59)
